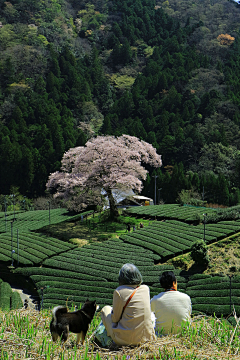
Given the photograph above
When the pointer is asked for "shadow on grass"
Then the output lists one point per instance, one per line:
(194, 269)
(91, 230)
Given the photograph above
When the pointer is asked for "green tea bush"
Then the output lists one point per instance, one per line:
(216, 309)
(199, 253)
(55, 272)
(5, 296)
(210, 281)
(16, 301)
(232, 213)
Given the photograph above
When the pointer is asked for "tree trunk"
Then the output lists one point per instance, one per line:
(113, 206)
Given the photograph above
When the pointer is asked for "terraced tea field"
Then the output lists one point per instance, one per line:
(171, 238)
(33, 248)
(71, 274)
(92, 271)
(34, 220)
(170, 211)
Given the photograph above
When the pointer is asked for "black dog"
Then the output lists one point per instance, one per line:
(76, 322)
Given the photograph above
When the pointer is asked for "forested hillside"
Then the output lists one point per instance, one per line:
(166, 72)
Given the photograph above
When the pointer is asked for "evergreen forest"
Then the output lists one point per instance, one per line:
(166, 72)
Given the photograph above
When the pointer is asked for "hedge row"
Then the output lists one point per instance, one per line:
(206, 281)
(216, 300)
(166, 238)
(9, 299)
(33, 220)
(174, 231)
(216, 309)
(110, 273)
(30, 251)
(83, 267)
(123, 249)
(42, 280)
(48, 245)
(5, 296)
(101, 257)
(26, 253)
(16, 301)
(156, 240)
(188, 229)
(76, 299)
(73, 287)
(166, 211)
(178, 241)
(55, 272)
(50, 303)
(199, 276)
(199, 229)
(6, 252)
(67, 293)
(50, 242)
(5, 258)
(2, 213)
(96, 260)
(159, 250)
(118, 245)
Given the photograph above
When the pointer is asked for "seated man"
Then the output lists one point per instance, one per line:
(170, 307)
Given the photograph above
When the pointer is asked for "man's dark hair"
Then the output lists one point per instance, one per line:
(167, 279)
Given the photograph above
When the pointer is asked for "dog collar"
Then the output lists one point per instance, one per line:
(86, 314)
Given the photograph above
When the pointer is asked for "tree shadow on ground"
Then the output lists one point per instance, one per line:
(194, 269)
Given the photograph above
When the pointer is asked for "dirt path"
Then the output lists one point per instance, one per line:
(27, 297)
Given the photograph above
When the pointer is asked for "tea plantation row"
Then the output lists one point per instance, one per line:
(84, 272)
(209, 294)
(33, 248)
(169, 211)
(34, 220)
(171, 238)
(164, 239)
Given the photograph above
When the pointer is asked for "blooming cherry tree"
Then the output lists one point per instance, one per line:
(104, 163)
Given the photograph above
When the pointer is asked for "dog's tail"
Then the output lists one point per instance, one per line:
(57, 310)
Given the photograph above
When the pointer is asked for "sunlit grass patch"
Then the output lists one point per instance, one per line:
(24, 334)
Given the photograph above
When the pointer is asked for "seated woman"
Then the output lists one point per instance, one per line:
(132, 324)
(170, 307)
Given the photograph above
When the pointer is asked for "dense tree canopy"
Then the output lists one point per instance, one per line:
(71, 70)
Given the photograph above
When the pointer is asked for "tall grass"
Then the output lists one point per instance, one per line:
(24, 334)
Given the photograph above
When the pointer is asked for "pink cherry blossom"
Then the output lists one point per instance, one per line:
(104, 163)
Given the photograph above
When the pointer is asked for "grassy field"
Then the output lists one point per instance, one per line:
(24, 334)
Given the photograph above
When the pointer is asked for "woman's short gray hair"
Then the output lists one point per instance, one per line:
(129, 275)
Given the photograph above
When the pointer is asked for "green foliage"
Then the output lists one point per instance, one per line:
(5, 296)
(33, 248)
(231, 213)
(16, 301)
(33, 220)
(122, 82)
(199, 253)
(190, 197)
(171, 211)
